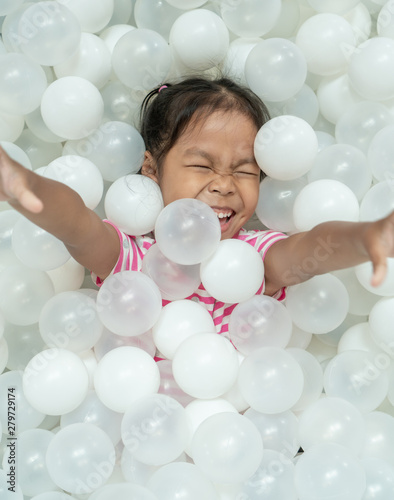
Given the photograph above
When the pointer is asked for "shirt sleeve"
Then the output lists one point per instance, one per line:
(132, 251)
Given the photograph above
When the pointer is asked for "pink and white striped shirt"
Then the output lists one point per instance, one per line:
(133, 249)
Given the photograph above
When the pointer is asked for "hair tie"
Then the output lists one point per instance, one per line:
(163, 87)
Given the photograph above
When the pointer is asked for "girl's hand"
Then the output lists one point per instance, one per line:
(14, 186)
(379, 244)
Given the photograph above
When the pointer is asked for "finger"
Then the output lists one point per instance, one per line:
(379, 273)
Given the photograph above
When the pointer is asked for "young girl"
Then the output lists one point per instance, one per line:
(199, 138)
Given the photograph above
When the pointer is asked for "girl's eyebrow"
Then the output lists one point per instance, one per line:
(207, 156)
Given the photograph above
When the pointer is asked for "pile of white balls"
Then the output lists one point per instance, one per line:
(86, 410)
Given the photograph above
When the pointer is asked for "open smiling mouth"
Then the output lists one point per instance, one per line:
(225, 217)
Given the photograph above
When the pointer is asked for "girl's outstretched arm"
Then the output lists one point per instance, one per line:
(61, 211)
(327, 247)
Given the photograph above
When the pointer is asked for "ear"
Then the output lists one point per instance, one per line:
(149, 167)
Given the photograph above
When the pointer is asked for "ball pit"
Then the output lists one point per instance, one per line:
(159, 406)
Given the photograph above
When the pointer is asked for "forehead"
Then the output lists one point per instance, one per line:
(225, 126)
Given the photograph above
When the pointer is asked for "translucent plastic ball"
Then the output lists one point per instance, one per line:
(313, 378)
(67, 277)
(380, 152)
(250, 18)
(285, 147)
(181, 479)
(335, 95)
(364, 276)
(116, 148)
(379, 436)
(175, 281)
(331, 200)
(122, 491)
(133, 203)
(320, 304)
(379, 320)
(69, 320)
(234, 272)
(92, 61)
(120, 103)
(50, 32)
(303, 104)
(36, 125)
(344, 163)
(72, 107)
(11, 126)
(141, 59)
(368, 69)
(259, 322)
(8, 6)
(129, 303)
(168, 385)
(187, 231)
(27, 416)
(80, 458)
(135, 471)
(33, 476)
(55, 381)
(233, 64)
(227, 448)
(80, 174)
(22, 84)
(112, 35)
(178, 321)
(360, 122)
(327, 471)
(92, 16)
(275, 69)
(276, 200)
(157, 15)
(40, 153)
(359, 377)
(332, 420)
(378, 201)
(271, 380)
(335, 6)
(155, 429)
(109, 341)
(93, 411)
(200, 39)
(326, 40)
(385, 21)
(36, 248)
(205, 365)
(274, 479)
(4, 488)
(16, 153)
(117, 379)
(186, 4)
(23, 293)
(278, 431)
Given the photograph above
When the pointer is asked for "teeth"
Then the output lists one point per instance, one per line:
(222, 215)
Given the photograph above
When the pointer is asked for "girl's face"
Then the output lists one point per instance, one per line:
(213, 161)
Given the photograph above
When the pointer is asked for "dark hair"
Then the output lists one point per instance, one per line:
(166, 112)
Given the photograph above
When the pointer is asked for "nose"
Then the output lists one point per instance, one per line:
(222, 184)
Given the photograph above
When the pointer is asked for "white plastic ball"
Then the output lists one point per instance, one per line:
(200, 39)
(168, 385)
(72, 107)
(271, 380)
(380, 477)
(80, 458)
(40, 153)
(91, 61)
(275, 69)
(67, 277)
(37, 248)
(134, 56)
(379, 436)
(112, 35)
(234, 272)
(155, 429)
(11, 126)
(335, 6)
(133, 203)
(55, 381)
(326, 40)
(331, 200)
(378, 201)
(17, 154)
(117, 379)
(205, 365)
(335, 94)
(227, 448)
(368, 69)
(92, 16)
(259, 322)
(233, 64)
(285, 147)
(380, 152)
(187, 231)
(379, 320)
(364, 275)
(158, 15)
(178, 321)
(129, 303)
